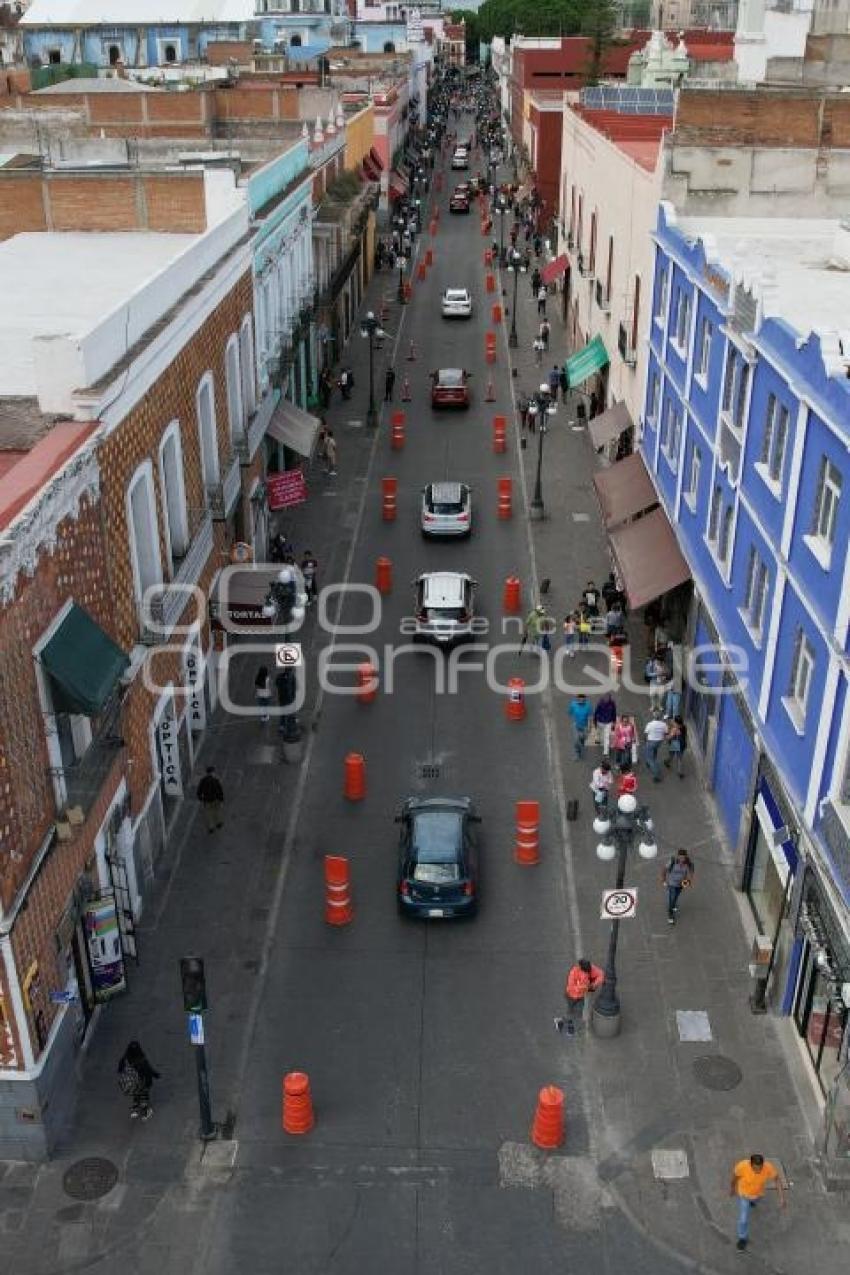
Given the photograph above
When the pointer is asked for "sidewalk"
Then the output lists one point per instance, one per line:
(709, 1102)
(212, 894)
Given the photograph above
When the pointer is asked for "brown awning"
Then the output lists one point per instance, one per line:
(648, 558)
(609, 425)
(376, 159)
(624, 490)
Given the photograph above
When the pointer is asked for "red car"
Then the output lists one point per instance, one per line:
(450, 387)
(459, 203)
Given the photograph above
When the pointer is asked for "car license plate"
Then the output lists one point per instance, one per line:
(436, 912)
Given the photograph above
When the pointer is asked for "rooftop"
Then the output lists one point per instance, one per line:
(45, 449)
(799, 267)
(118, 13)
(93, 84)
(638, 136)
(63, 284)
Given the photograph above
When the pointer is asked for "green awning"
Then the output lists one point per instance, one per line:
(591, 359)
(84, 663)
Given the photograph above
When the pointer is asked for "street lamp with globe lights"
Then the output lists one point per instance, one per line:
(617, 838)
(515, 267)
(370, 328)
(285, 607)
(541, 406)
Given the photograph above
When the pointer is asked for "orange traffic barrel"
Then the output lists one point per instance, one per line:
(500, 426)
(354, 787)
(367, 682)
(527, 847)
(389, 498)
(397, 432)
(504, 508)
(497, 312)
(432, 228)
(490, 346)
(421, 270)
(515, 702)
(512, 596)
(429, 256)
(338, 906)
(488, 256)
(298, 1114)
(547, 1132)
(490, 282)
(384, 575)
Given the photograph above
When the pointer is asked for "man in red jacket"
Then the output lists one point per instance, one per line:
(583, 978)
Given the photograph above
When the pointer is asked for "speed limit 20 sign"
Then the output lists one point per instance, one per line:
(619, 905)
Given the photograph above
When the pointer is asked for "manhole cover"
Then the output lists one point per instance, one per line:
(429, 772)
(90, 1179)
(716, 1072)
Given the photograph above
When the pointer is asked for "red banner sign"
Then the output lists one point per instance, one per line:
(285, 490)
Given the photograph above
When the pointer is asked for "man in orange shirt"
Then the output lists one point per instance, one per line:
(582, 979)
(749, 1179)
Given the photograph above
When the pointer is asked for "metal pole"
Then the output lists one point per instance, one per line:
(401, 295)
(513, 339)
(537, 508)
(501, 236)
(371, 415)
(207, 1129)
(606, 1007)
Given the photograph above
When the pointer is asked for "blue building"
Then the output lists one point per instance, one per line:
(746, 435)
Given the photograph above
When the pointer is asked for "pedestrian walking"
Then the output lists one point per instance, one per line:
(309, 570)
(554, 380)
(570, 627)
(564, 382)
(580, 714)
(655, 676)
(346, 382)
(749, 1181)
(591, 598)
(534, 627)
(601, 783)
(389, 383)
(582, 979)
(135, 1079)
(615, 621)
(522, 408)
(330, 455)
(677, 742)
(538, 347)
(604, 717)
(543, 332)
(626, 782)
(677, 876)
(672, 701)
(263, 691)
(585, 626)
(211, 796)
(622, 739)
(655, 732)
(542, 297)
(611, 593)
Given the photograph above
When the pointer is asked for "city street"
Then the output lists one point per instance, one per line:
(426, 1043)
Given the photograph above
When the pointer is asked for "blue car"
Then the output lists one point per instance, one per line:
(438, 858)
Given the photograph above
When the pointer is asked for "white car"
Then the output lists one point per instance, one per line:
(446, 509)
(460, 159)
(457, 303)
(445, 607)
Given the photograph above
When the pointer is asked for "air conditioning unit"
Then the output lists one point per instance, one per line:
(602, 298)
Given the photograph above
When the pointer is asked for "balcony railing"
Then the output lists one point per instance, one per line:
(223, 495)
(165, 608)
(248, 445)
(83, 780)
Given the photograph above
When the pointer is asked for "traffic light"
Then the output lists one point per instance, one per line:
(194, 984)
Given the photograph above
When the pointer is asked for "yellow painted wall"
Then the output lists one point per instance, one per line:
(359, 136)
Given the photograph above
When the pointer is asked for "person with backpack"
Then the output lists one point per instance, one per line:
(211, 797)
(677, 876)
(135, 1080)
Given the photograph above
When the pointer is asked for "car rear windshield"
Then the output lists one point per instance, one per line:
(446, 614)
(449, 507)
(454, 294)
(436, 873)
(451, 379)
(436, 836)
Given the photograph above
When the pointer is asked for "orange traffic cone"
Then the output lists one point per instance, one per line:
(298, 1114)
(527, 848)
(338, 906)
(354, 787)
(547, 1132)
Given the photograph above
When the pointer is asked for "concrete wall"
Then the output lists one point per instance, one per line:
(756, 181)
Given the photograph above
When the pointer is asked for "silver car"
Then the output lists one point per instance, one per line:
(446, 509)
(460, 159)
(445, 606)
(457, 303)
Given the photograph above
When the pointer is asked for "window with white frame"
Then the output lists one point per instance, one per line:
(702, 353)
(172, 486)
(683, 321)
(755, 592)
(691, 491)
(714, 513)
(232, 378)
(736, 383)
(724, 543)
(671, 431)
(800, 681)
(144, 531)
(652, 398)
(827, 497)
(774, 441)
(661, 292)
(205, 405)
(247, 367)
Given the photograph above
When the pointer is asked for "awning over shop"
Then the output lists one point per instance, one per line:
(591, 359)
(294, 428)
(376, 159)
(399, 185)
(84, 663)
(648, 558)
(554, 269)
(370, 172)
(624, 490)
(609, 425)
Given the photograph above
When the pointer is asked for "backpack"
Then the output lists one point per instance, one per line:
(129, 1080)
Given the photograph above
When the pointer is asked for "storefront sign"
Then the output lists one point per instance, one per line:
(286, 490)
(106, 959)
(193, 664)
(168, 754)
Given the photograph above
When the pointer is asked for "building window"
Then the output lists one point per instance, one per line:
(671, 432)
(800, 684)
(822, 535)
(389, 47)
(755, 593)
(774, 442)
(682, 327)
(232, 377)
(144, 531)
(703, 348)
(173, 490)
(247, 367)
(610, 274)
(736, 381)
(691, 492)
(591, 256)
(115, 54)
(205, 405)
(661, 294)
(54, 57)
(652, 399)
(714, 513)
(724, 544)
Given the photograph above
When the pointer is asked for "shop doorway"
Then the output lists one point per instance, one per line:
(820, 1015)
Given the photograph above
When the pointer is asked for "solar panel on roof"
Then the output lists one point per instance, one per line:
(628, 99)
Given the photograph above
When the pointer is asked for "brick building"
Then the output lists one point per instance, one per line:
(129, 489)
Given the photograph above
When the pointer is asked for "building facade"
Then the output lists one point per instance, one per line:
(745, 431)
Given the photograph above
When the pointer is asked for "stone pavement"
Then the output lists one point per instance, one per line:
(651, 1090)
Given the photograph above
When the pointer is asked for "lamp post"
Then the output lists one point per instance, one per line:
(402, 262)
(617, 841)
(285, 606)
(501, 209)
(369, 329)
(542, 405)
(515, 268)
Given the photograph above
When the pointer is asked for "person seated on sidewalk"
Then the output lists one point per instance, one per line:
(583, 978)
